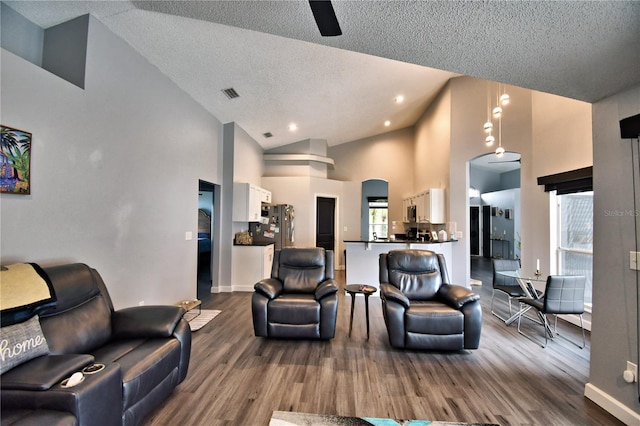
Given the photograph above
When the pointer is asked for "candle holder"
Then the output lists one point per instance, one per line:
(538, 273)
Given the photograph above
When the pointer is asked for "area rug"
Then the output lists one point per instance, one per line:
(284, 418)
(198, 320)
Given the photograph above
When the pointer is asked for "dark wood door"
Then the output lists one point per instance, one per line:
(474, 225)
(486, 231)
(325, 223)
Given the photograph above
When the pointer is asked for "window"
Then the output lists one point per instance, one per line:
(575, 237)
(378, 218)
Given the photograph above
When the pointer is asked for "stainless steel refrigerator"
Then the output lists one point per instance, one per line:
(277, 226)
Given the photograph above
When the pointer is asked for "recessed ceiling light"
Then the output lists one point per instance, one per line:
(293, 127)
(387, 123)
(399, 99)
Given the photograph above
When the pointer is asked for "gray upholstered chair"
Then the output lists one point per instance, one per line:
(563, 294)
(300, 300)
(504, 284)
(421, 308)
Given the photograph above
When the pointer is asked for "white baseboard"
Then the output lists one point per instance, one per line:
(575, 320)
(611, 405)
(245, 288)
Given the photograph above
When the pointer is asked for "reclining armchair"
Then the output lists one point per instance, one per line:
(131, 359)
(300, 300)
(421, 309)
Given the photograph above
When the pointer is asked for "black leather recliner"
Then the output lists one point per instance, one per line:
(300, 300)
(145, 350)
(421, 309)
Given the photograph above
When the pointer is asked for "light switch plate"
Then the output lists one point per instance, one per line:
(188, 236)
(634, 260)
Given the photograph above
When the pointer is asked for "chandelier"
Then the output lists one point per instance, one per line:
(495, 113)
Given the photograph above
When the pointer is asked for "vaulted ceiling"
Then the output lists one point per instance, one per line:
(343, 88)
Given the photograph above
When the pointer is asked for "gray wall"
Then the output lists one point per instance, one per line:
(510, 180)
(484, 180)
(65, 50)
(371, 188)
(114, 171)
(614, 337)
(21, 36)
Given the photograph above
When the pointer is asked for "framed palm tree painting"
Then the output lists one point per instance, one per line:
(15, 161)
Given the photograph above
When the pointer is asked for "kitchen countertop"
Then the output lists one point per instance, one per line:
(264, 244)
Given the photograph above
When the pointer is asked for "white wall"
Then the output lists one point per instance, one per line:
(561, 134)
(114, 170)
(433, 145)
(388, 156)
(301, 192)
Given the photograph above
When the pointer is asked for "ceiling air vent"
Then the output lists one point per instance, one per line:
(267, 135)
(230, 93)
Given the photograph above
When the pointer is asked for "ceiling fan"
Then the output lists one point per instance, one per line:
(325, 18)
(506, 161)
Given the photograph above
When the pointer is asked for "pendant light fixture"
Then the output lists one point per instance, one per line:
(495, 113)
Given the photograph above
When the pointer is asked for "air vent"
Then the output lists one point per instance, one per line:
(268, 135)
(231, 93)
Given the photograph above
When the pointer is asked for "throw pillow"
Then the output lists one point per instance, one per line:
(21, 342)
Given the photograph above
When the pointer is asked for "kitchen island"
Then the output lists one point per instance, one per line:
(363, 256)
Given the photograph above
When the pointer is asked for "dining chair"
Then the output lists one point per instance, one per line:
(563, 295)
(504, 284)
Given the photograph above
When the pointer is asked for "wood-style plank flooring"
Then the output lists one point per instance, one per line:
(236, 378)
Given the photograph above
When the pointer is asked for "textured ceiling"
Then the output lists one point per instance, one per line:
(272, 54)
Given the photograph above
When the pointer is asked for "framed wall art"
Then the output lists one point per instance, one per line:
(15, 161)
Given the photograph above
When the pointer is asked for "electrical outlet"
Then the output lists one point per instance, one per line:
(141, 303)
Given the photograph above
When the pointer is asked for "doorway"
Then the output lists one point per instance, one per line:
(486, 233)
(474, 230)
(495, 205)
(207, 219)
(325, 222)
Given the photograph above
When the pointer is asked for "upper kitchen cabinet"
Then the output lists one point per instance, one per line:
(430, 206)
(247, 202)
(426, 207)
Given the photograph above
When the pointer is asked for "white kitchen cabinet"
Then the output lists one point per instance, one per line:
(405, 205)
(265, 196)
(247, 202)
(249, 265)
(430, 206)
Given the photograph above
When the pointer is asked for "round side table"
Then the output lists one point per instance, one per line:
(354, 289)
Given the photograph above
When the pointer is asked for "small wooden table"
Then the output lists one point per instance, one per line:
(188, 305)
(354, 289)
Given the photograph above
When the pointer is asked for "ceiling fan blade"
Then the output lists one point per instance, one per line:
(325, 18)
(505, 161)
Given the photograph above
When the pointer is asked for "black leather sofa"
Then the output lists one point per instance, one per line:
(145, 351)
(421, 308)
(300, 300)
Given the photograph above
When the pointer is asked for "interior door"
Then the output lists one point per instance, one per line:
(206, 229)
(474, 230)
(486, 231)
(325, 222)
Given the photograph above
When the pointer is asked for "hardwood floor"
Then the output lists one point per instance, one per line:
(236, 378)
